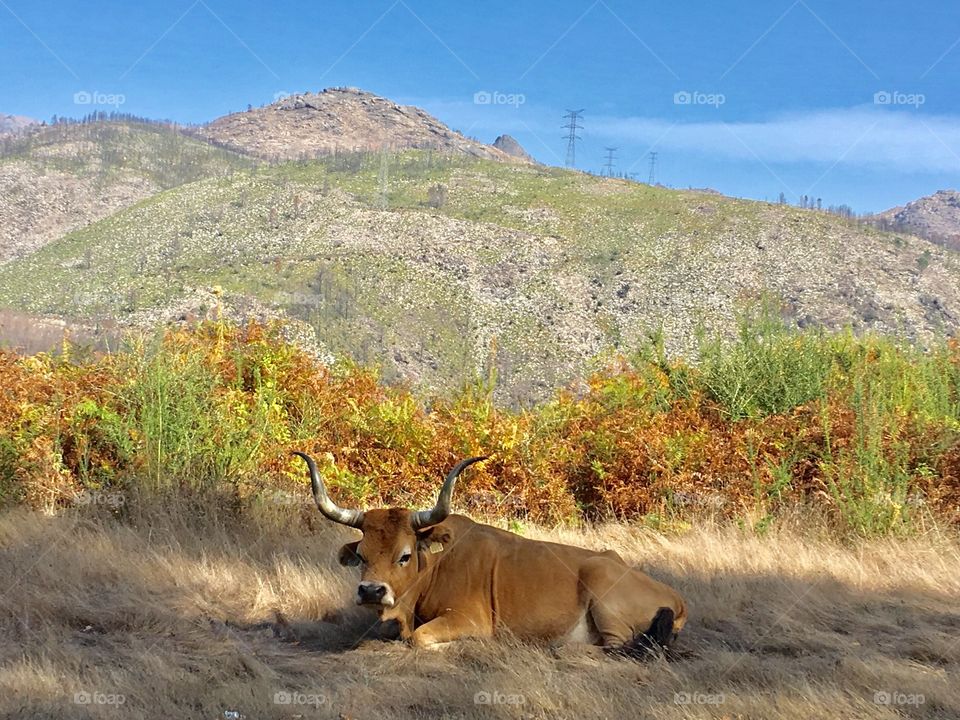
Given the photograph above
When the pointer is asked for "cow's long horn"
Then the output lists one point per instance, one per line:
(344, 516)
(438, 513)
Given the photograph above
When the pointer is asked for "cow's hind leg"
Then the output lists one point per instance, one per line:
(619, 639)
(629, 621)
(654, 641)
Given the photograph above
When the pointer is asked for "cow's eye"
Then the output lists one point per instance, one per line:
(404, 559)
(361, 558)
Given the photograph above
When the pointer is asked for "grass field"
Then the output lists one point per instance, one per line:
(181, 614)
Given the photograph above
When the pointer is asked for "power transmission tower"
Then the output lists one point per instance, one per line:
(608, 166)
(573, 118)
(653, 168)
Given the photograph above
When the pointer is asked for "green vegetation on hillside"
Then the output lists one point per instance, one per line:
(419, 260)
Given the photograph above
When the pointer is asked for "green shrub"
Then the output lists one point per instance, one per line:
(768, 369)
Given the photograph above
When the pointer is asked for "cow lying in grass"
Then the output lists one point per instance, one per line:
(442, 577)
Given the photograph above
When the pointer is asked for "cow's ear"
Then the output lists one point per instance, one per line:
(349, 556)
(437, 535)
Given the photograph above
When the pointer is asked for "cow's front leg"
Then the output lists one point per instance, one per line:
(447, 627)
(400, 622)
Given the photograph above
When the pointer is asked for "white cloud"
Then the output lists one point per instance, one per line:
(903, 140)
(873, 137)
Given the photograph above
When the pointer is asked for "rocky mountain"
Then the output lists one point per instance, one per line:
(510, 146)
(338, 120)
(935, 217)
(445, 265)
(14, 124)
(63, 177)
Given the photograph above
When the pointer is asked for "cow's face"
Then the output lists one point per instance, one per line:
(393, 550)
(391, 555)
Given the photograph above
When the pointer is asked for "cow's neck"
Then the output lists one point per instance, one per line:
(404, 612)
(426, 577)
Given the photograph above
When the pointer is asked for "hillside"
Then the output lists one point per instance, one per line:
(935, 217)
(338, 120)
(555, 265)
(63, 177)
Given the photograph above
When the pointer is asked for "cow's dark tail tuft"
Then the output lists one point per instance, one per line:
(652, 643)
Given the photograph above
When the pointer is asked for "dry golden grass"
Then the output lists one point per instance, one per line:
(179, 617)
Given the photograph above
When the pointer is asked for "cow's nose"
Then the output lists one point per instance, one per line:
(371, 592)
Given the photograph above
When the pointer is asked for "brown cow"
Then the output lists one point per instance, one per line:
(442, 577)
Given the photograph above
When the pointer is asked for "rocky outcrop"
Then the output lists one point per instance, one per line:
(312, 125)
(935, 217)
(509, 145)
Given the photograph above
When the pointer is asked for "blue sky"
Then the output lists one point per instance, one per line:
(750, 98)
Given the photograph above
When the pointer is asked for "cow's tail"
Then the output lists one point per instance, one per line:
(655, 640)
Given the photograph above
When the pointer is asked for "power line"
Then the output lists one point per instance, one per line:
(653, 168)
(608, 166)
(572, 117)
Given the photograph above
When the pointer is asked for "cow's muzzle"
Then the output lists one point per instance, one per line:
(375, 593)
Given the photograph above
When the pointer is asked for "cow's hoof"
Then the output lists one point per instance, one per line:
(389, 630)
